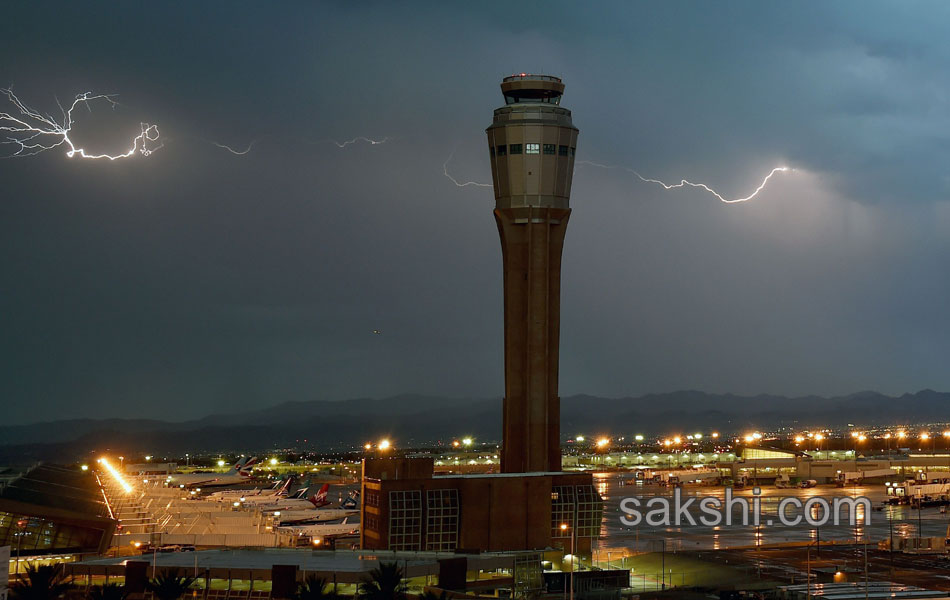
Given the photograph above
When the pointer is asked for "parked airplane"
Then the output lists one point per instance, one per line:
(320, 515)
(239, 473)
(300, 502)
(279, 487)
(322, 529)
(261, 500)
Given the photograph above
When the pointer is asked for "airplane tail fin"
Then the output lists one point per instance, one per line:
(352, 501)
(320, 498)
(245, 469)
(282, 491)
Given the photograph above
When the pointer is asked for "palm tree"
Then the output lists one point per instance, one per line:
(46, 582)
(109, 591)
(314, 588)
(169, 585)
(385, 582)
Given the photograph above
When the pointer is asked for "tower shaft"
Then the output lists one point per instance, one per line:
(531, 254)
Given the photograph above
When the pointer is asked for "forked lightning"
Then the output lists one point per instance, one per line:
(684, 182)
(32, 132)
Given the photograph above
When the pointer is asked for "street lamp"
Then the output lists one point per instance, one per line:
(571, 576)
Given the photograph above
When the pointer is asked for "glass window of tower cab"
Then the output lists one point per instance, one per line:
(531, 143)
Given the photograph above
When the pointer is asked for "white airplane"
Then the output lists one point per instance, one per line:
(319, 515)
(232, 495)
(279, 498)
(297, 501)
(254, 497)
(322, 529)
(239, 473)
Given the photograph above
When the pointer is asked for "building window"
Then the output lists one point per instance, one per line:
(502, 150)
(372, 498)
(562, 150)
(515, 148)
(442, 520)
(405, 520)
(590, 511)
(572, 151)
(491, 150)
(532, 148)
(562, 510)
(549, 148)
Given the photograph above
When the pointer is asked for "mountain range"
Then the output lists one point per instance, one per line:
(418, 420)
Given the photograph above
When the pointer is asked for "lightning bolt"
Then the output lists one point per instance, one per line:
(445, 171)
(359, 139)
(34, 132)
(684, 182)
(232, 150)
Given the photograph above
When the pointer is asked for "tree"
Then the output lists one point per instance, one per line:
(385, 582)
(109, 591)
(169, 585)
(46, 582)
(314, 588)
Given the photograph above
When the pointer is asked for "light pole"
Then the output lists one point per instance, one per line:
(808, 569)
(21, 526)
(571, 576)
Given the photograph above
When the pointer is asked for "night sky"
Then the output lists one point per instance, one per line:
(195, 280)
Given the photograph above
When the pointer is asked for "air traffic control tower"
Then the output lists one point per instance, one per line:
(532, 142)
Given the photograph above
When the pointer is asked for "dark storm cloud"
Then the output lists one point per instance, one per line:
(196, 280)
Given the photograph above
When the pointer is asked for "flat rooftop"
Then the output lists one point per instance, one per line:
(347, 566)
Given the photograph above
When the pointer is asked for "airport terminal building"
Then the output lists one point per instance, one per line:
(407, 508)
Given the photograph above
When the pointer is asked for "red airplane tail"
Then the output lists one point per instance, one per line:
(320, 498)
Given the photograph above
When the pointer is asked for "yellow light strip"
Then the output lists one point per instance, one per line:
(116, 475)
